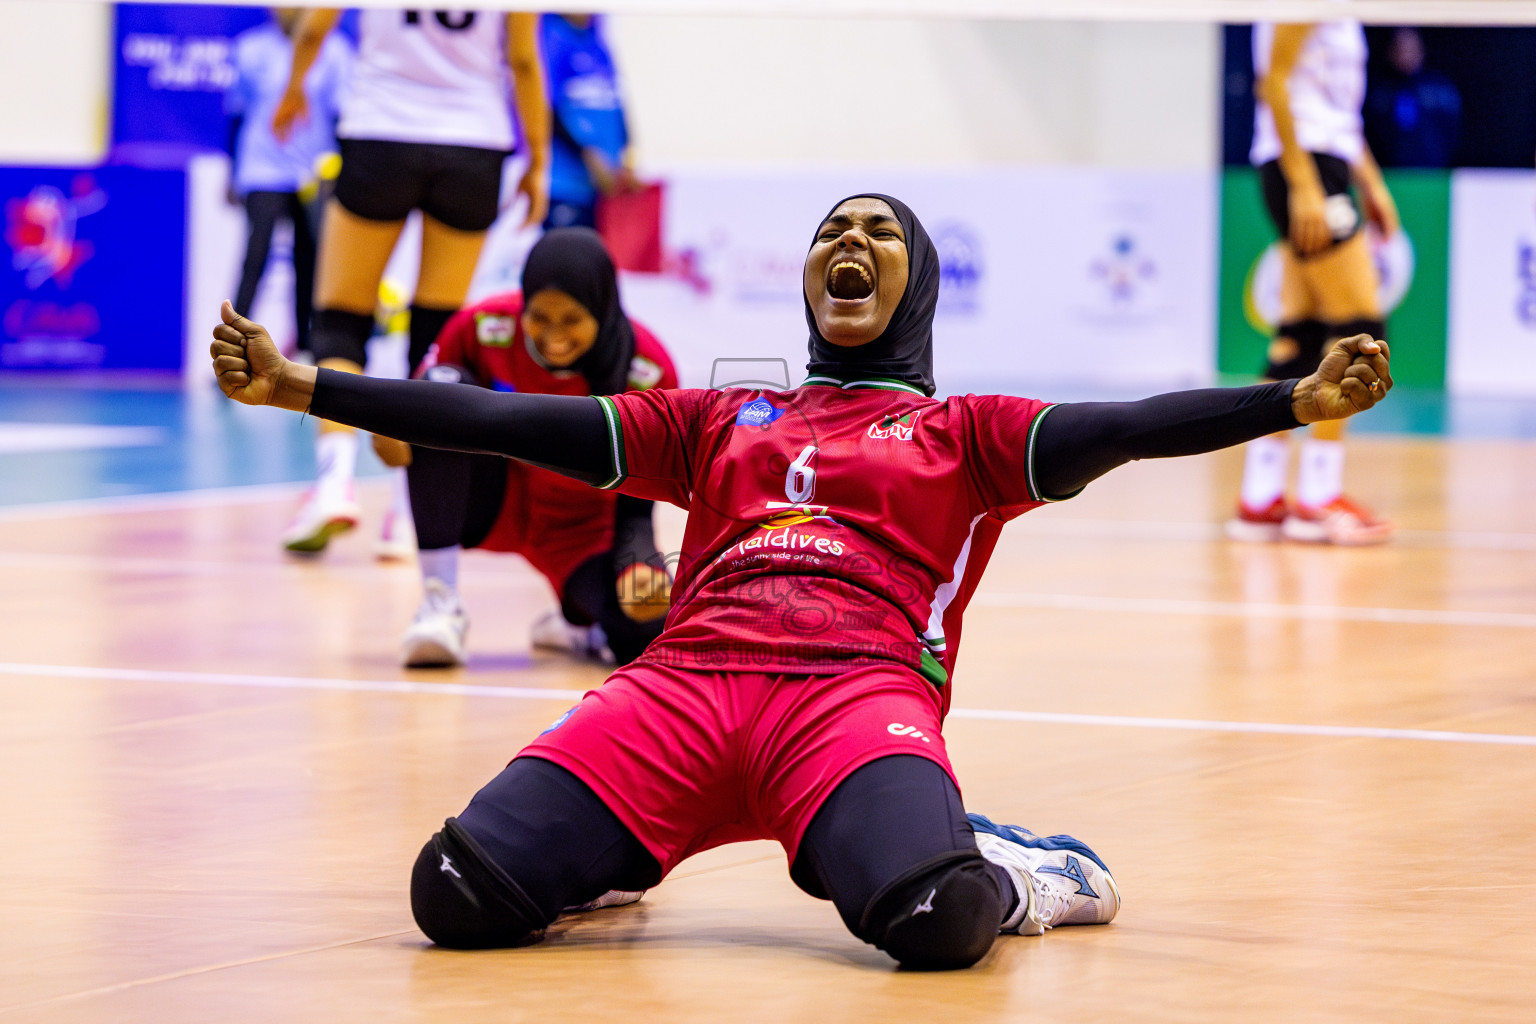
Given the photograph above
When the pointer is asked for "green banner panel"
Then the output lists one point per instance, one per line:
(1248, 293)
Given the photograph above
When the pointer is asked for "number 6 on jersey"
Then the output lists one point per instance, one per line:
(800, 480)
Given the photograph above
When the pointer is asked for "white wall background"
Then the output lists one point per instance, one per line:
(55, 81)
(766, 92)
(772, 92)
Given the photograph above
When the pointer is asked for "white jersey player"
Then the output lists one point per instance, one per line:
(430, 77)
(1326, 88)
(1309, 147)
(426, 124)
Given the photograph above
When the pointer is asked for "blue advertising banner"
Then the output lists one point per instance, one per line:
(95, 269)
(173, 65)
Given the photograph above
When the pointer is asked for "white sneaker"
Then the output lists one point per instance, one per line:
(551, 632)
(1058, 878)
(435, 638)
(324, 513)
(611, 898)
(397, 538)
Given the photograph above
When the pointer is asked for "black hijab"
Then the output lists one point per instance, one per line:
(574, 261)
(905, 350)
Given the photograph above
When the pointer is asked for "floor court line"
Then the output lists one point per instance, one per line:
(1100, 529)
(1259, 610)
(156, 501)
(478, 567)
(485, 573)
(980, 714)
(1160, 530)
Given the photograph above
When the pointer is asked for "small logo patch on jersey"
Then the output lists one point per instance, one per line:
(897, 729)
(899, 427)
(758, 413)
(1074, 871)
(557, 723)
(447, 868)
(493, 330)
(643, 373)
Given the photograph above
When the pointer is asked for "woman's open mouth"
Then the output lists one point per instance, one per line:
(850, 282)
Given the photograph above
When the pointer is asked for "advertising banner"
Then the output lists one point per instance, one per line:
(94, 275)
(1493, 283)
(1412, 265)
(172, 68)
(1051, 277)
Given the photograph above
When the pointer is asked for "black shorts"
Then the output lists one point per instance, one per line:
(457, 185)
(1342, 213)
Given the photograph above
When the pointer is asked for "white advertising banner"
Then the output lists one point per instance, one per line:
(1492, 315)
(1056, 281)
(1086, 278)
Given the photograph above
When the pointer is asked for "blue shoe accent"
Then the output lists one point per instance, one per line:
(1024, 837)
(1074, 871)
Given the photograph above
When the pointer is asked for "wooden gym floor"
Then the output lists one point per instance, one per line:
(1312, 771)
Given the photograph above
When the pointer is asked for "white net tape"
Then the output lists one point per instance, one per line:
(1400, 12)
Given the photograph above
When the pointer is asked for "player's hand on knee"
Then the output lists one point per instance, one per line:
(1353, 377)
(645, 592)
(1309, 220)
(251, 370)
(395, 454)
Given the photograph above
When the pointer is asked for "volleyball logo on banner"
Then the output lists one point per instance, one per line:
(1394, 261)
(961, 268)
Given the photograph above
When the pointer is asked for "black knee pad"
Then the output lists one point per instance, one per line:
(1310, 336)
(337, 334)
(462, 900)
(941, 915)
(1349, 328)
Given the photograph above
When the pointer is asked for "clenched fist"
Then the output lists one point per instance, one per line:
(252, 371)
(1353, 376)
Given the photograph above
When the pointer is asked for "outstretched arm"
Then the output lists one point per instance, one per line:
(568, 435)
(1081, 441)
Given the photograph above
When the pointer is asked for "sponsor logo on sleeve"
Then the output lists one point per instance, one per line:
(759, 412)
(643, 373)
(493, 330)
(897, 427)
(557, 723)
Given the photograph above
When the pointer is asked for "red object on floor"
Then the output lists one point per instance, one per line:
(630, 223)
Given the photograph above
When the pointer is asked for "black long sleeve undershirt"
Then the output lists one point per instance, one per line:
(559, 432)
(1077, 442)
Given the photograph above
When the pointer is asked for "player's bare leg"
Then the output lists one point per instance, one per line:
(1326, 296)
(353, 254)
(448, 258)
(1342, 283)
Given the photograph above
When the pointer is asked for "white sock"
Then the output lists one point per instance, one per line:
(1322, 472)
(441, 564)
(336, 454)
(1265, 461)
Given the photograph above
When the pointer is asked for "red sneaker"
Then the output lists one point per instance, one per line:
(1258, 526)
(1341, 521)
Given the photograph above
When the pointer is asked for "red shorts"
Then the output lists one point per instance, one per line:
(554, 522)
(690, 760)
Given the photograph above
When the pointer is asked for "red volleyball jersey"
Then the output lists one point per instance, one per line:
(839, 523)
(553, 521)
(488, 338)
